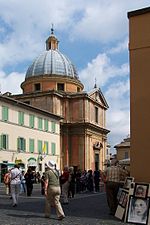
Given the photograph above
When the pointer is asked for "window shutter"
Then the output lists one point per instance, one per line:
(53, 127)
(7, 147)
(31, 122)
(31, 145)
(4, 113)
(45, 124)
(24, 144)
(40, 127)
(39, 147)
(18, 144)
(53, 148)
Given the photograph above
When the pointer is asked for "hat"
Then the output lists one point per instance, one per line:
(51, 164)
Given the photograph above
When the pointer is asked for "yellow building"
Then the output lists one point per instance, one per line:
(123, 149)
(28, 136)
(139, 49)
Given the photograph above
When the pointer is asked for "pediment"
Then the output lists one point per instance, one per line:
(97, 95)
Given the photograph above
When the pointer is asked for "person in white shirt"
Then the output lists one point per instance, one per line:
(15, 176)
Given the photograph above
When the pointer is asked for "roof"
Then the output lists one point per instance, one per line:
(139, 12)
(99, 96)
(124, 143)
(52, 61)
(17, 103)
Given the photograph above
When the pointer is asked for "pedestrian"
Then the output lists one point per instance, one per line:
(96, 180)
(64, 180)
(29, 177)
(15, 177)
(90, 182)
(43, 184)
(113, 175)
(83, 181)
(72, 180)
(52, 191)
(23, 182)
(7, 182)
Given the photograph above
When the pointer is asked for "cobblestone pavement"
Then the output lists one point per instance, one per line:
(84, 209)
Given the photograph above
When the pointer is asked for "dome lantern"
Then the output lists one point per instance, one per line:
(52, 42)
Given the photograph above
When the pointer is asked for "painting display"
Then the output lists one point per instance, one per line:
(138, 210)
(134, 202)
(122, 202)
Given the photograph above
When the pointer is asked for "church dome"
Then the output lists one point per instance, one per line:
(52, 62)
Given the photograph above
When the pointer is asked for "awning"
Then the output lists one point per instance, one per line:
(32, 162)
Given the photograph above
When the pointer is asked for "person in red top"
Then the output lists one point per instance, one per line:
(64, 180)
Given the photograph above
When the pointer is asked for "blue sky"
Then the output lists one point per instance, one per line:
(93, 34)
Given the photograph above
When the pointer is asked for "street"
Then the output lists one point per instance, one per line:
(84, 209)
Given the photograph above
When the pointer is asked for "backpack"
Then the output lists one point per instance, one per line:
(7, 178)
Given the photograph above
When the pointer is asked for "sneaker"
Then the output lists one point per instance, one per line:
(61, 217)
(14, 205)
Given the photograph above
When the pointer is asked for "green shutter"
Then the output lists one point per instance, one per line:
(39, 146)
(31, 145)
(24, 145)
(45, 124)
(7, 147)
(5, 113)
(40, 125)
(2, 141)
(53, 148)
(53, 127)
(21, 144)
(21, 118)
(18, 143)
(5, 141)
(31, 121)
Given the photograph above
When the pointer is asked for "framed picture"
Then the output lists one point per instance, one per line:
(123, 198)
(122, 202)
(138, 209)
(141, 190)
(119, 193)
(128, 181)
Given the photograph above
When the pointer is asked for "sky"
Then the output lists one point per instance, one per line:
(93, 34)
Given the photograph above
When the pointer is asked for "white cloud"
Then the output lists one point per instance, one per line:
(26, 23)
(105, 21)
(120, 47)
(11, 82)
(102, 69)
(118, 115)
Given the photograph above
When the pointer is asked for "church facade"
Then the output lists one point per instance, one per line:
(52, 84)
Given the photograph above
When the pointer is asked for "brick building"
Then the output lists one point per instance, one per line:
(52, 84)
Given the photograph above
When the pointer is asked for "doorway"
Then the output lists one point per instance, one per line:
(97, 161)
